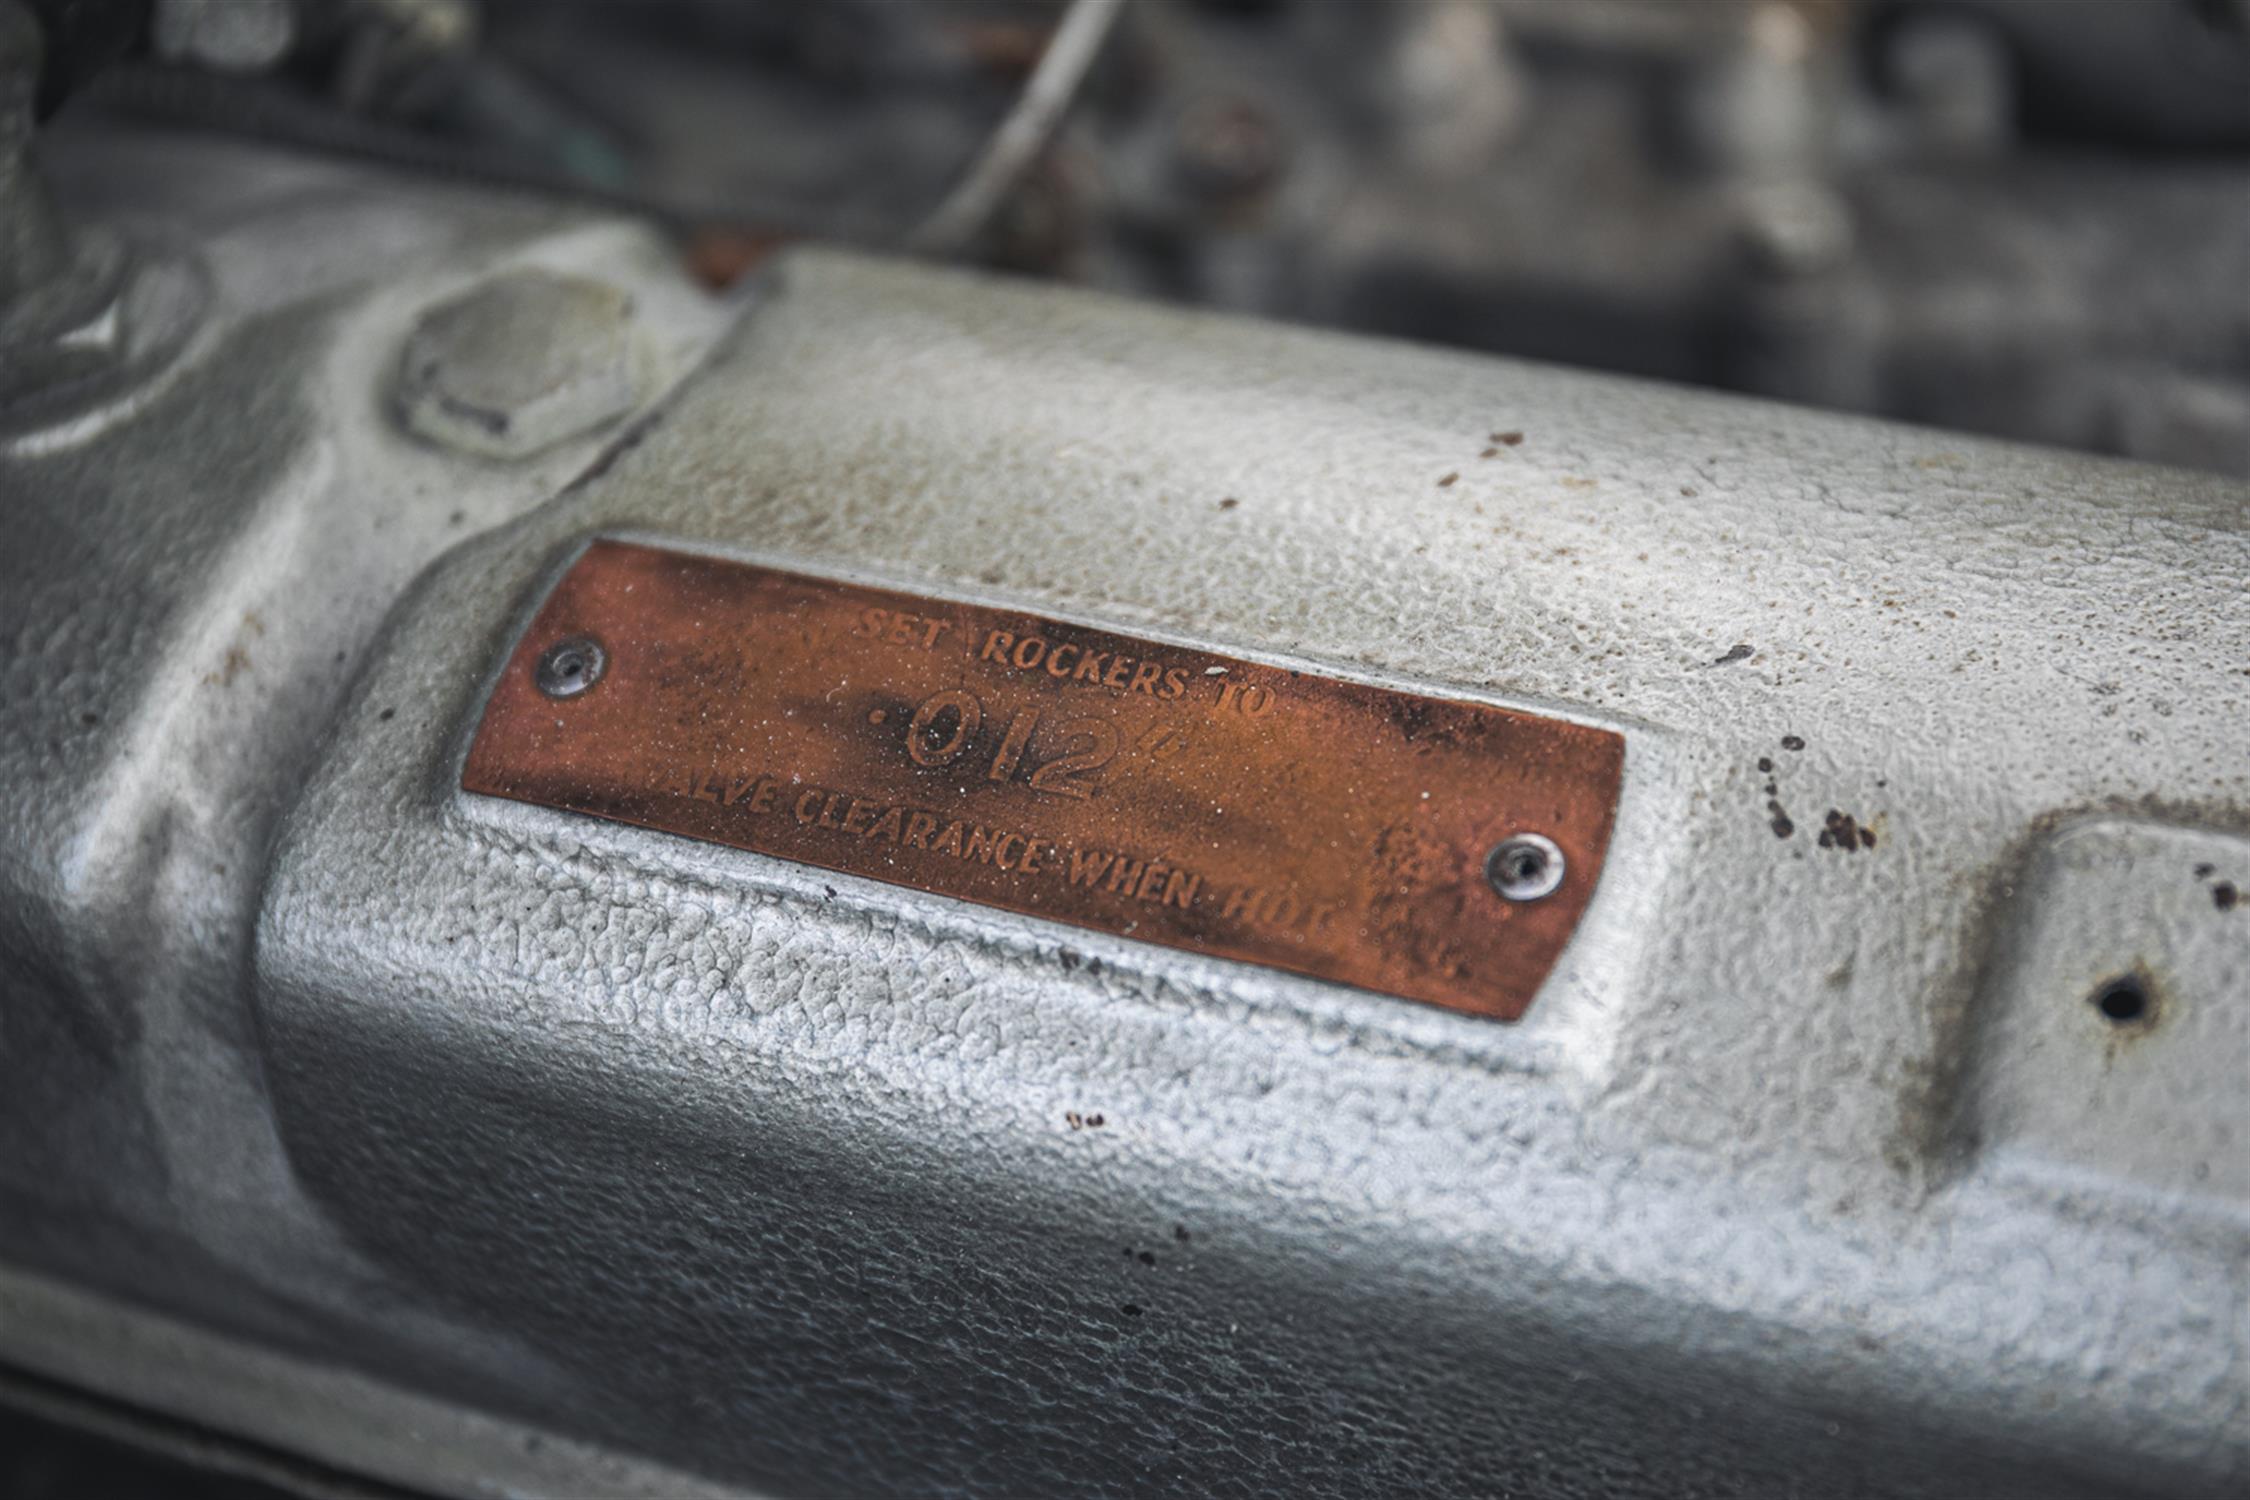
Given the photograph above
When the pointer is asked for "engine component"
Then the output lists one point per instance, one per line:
(1878, 1130)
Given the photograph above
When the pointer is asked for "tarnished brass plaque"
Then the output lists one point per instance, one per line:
(1437, 850)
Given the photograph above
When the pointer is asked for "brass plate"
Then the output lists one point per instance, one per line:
(1203, 802)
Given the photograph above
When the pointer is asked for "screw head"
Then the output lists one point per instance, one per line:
(570, 666)
(1525, 867)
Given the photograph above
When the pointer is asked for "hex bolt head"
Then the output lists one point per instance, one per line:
(1525, 867)
(570, 666)
(524, 361)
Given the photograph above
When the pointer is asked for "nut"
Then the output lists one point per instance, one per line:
(520, 363)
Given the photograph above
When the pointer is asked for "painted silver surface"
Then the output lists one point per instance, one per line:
(1811, 1172)
(193, 577)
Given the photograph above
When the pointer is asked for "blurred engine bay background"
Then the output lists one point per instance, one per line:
(2028, 218)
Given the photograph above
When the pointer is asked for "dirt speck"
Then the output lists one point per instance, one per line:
(1782, 826)
(1180, 1233)
(1792, 742)
(2224, 896)
(1131, 1309)
(1507, 439)
(1447, 481)
(1765, 764)
(1229, 503)
(1741, 651)
(1840, 830)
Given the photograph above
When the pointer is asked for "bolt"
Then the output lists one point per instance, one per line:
(1525, 867)
(520, 363)
(570, 666)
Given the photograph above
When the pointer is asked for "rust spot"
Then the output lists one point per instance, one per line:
(233, 665)
(1507, 439)
(1447, 481)
(719, 255)
(1229, 503)
(1840, 830)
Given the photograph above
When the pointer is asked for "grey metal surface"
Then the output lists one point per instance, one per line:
(193, 574)
(1811, 1172)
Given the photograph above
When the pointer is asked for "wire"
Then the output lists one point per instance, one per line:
(1012, 147)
